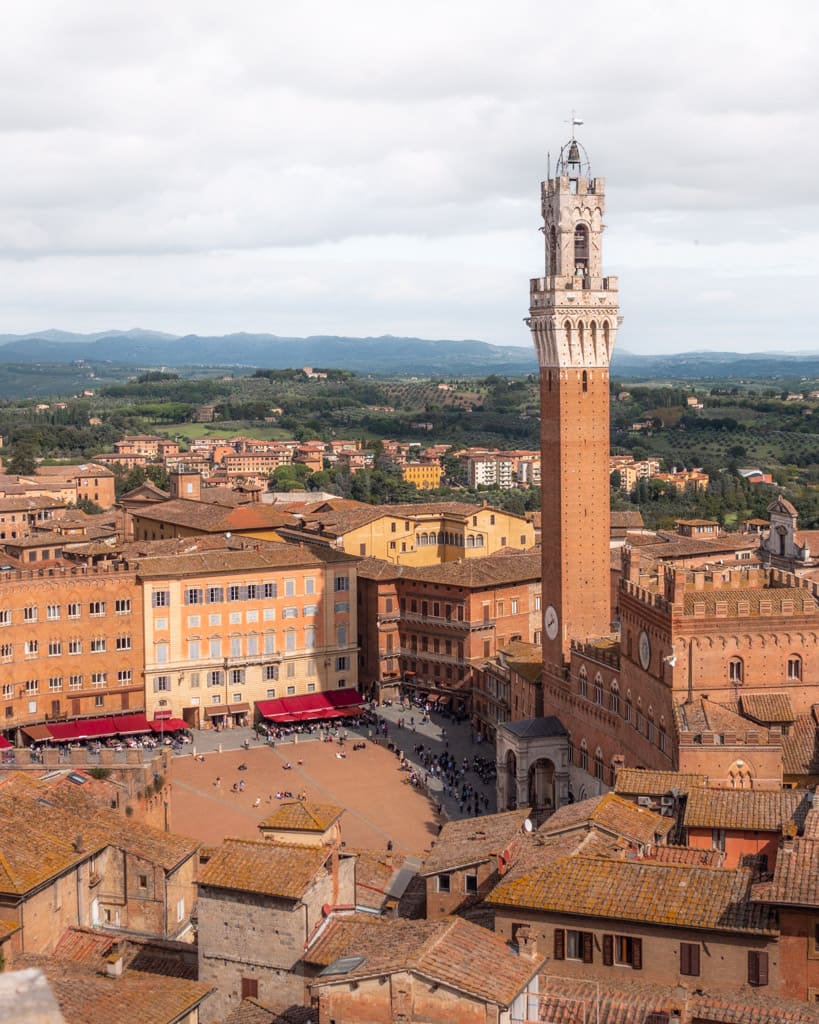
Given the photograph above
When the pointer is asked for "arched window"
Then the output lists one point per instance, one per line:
(794, 667)
(422, 540)
(593, 333)
(629, 713)
(479, 540)
(584, 755)
(567, 327)
(598, 764)
(441, 537)
(614, 699)
(470, 541)
(583, 682)
(598, 689)
(581, 250)
(736, 670)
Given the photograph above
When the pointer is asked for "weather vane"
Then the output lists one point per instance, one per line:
(575, 122)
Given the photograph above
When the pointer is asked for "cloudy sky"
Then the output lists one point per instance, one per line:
(370, 168)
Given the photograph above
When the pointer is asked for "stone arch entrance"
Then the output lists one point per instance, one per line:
(532, 759)
(541, 784)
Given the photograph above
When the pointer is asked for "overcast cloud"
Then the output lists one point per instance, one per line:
(369, 168)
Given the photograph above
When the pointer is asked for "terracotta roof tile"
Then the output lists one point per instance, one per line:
(209, 517)
(569, 1001)
(757, 810)
(641, 782)
(468, 841)
(664, 894)
(796, 876)
(302, 816)
(493, 570)
(692, 855)
(613, 814)
(767, 708)
(251, 1011)
(231, 560)
(800, 748)
(702, 716)
(450, 951)
(269, 869)
(88, 997)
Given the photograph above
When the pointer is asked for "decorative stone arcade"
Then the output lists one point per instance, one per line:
(532, 759)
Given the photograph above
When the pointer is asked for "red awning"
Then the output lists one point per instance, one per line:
(5, 744)
(168, 724)
(309, 706)
(127, 725)
(37, 732)
(83, 729)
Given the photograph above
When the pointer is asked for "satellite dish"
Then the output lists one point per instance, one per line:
(528, 826)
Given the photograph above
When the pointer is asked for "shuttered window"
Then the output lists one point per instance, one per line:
(637, 954)
(757, 967)
(250, 988)
(690, 959)
(560, 944)
(608, 950)
(588, 948)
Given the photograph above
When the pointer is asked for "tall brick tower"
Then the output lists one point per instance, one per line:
(573, 316)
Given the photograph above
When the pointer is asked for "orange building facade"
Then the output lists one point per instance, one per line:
(70, 645)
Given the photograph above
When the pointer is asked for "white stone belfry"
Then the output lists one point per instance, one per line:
(573, 309)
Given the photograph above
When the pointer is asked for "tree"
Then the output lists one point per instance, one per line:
(23, 460)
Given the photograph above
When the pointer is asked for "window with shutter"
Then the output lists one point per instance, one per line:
(608, 950)
(560, 944)
(690, 959)
(637, 954)
(588, 948)
(757, 968)
(250, 988)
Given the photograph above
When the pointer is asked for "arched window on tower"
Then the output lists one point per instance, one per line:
(554, 253)
(598, 764)
(585, 382)
(736, 670)
(794, 667)
(584, 755)
(583, 682)
(581, 250)
(629, 711)
(614, 700)
(598, 689)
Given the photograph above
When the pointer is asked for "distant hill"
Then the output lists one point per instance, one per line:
(383, 355)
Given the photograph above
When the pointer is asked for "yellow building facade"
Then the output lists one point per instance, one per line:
(425, 476)
(227, 627)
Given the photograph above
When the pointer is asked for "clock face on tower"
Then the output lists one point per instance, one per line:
(645, 650)
(550, 622)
